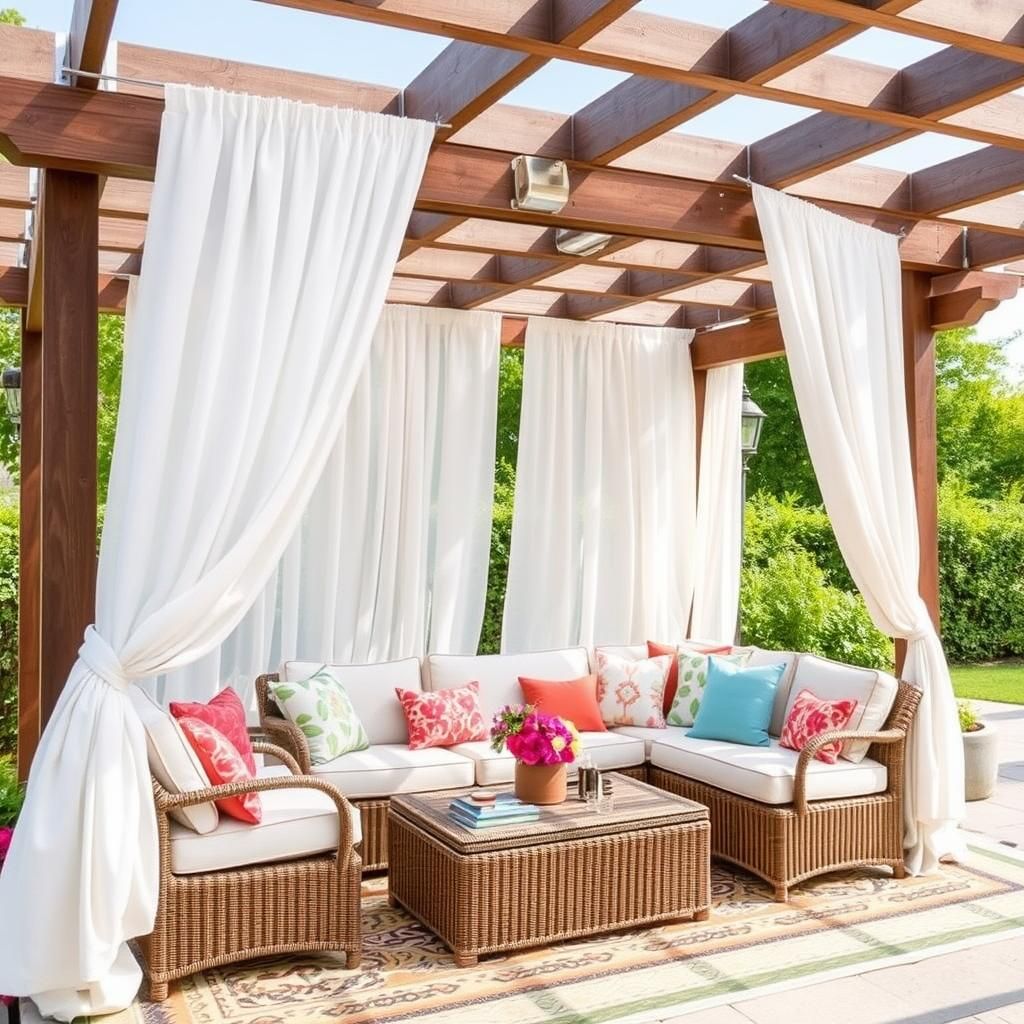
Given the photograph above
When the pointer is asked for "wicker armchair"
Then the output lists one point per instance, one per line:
(373, 812)
(218, 917)
(790, 843)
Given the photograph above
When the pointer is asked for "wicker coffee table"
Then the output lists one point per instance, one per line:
(573, 873)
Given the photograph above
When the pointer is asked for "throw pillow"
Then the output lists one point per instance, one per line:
(737, 703)
(632, 692)
(227, 715)
(322, 710)
(656, 650)
(810, 716)
(693, 675)
(223, 764)
(442, 718)
(573, 699)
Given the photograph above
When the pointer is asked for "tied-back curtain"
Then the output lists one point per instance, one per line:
(602, 530)
(719, 507)
(837, 284)
(273, 232)
(391, 558)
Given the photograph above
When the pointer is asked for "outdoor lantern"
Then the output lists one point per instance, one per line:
(12, 392)
(753, 418)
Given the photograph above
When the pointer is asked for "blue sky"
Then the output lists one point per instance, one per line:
(264, 33)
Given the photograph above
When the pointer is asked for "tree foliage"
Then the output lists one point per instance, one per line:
(10, 16)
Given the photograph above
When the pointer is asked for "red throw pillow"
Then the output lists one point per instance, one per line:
(656, 650)
(444, 717)
(809, 717)
(227, 715)
(223, 763)
(574, 699)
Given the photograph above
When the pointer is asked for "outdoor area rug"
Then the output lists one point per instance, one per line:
(839, 924)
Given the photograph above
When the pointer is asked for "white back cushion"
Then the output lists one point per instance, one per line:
(759, 656)
(498, 674)
(173, 762)
(634, 652)
(371, 688)
(873, 691)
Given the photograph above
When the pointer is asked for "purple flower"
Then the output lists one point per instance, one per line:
(6, 834)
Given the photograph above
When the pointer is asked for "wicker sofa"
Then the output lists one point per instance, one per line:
(780, 814)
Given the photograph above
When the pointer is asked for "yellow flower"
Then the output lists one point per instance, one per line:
(557, 744)
(575, 748)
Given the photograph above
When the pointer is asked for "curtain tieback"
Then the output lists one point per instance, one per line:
(102, 660)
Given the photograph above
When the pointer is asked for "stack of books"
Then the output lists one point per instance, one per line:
(505, 810)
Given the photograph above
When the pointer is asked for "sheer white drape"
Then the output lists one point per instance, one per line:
(273, 231)
(719, 527)
(602, 532)
(837, 284)
(391, 558)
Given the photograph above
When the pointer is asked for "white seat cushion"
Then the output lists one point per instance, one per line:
(608, 751)
(760, 656)
(641, 732)
(173, 762)
(498, 674)
(296, 823)
(384, 769)
(873, 691)
(371, 688)
(763, 773)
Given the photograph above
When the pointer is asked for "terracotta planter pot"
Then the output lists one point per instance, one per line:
(540, 783)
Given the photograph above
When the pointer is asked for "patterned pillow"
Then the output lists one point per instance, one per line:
(223, 763)
(809, 717)
(322, 710)
(443, 717)
(693, 677)
(632, 692)
(227, 715)
(655, 649)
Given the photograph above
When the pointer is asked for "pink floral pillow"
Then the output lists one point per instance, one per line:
(809, 717)
(444, 717)
(227, 715)
(223, 763)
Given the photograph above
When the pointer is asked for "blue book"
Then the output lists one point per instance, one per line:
(468, 821)
(504, 806)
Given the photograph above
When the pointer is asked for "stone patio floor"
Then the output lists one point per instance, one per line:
(982, 985)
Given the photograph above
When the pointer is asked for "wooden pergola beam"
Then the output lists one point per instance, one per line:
(92, 22)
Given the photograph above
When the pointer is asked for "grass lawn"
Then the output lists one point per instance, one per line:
(997, 680)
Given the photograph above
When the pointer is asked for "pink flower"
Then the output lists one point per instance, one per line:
(6, 834)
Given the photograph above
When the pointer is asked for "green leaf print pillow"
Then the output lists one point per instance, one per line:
(693, 675)
(322, 710)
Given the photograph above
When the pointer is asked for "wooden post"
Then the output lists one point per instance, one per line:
(67, 540)
(919, 377)
(28, 546)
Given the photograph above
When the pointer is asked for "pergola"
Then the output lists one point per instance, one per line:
(685, 251)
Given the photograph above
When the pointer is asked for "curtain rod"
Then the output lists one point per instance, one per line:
(100, 77)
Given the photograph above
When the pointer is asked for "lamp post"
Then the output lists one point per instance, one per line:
(12, 394)
(752, 418)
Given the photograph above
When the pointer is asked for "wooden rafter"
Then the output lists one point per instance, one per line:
(92, 22)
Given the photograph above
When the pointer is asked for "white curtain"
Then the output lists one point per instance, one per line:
(605, 504)
(391, 558)
(837, 284)
(719, 495)
(273, 231)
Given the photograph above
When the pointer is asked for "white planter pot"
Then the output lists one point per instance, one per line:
(981, 762)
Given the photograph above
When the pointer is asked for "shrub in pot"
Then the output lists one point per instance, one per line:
(981, 753)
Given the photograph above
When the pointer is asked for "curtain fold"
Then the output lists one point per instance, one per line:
(602, 529)
(391, 557)
(719, 512)
(837, 284)
(274, 228)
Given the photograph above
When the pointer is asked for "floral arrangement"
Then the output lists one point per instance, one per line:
(12, 793)
(533, 737)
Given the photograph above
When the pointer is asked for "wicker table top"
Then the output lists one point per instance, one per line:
(636, 806)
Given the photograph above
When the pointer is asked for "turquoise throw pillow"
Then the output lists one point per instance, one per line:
(737, 704)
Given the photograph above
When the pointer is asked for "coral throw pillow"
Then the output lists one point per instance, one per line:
(223, 763)
(444, 717)
(574, 699)
(632, 692)
(810, 716)
(227, 715)
(656, 650)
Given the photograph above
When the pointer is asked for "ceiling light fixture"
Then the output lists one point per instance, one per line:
(541, 185)
(580, 243)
